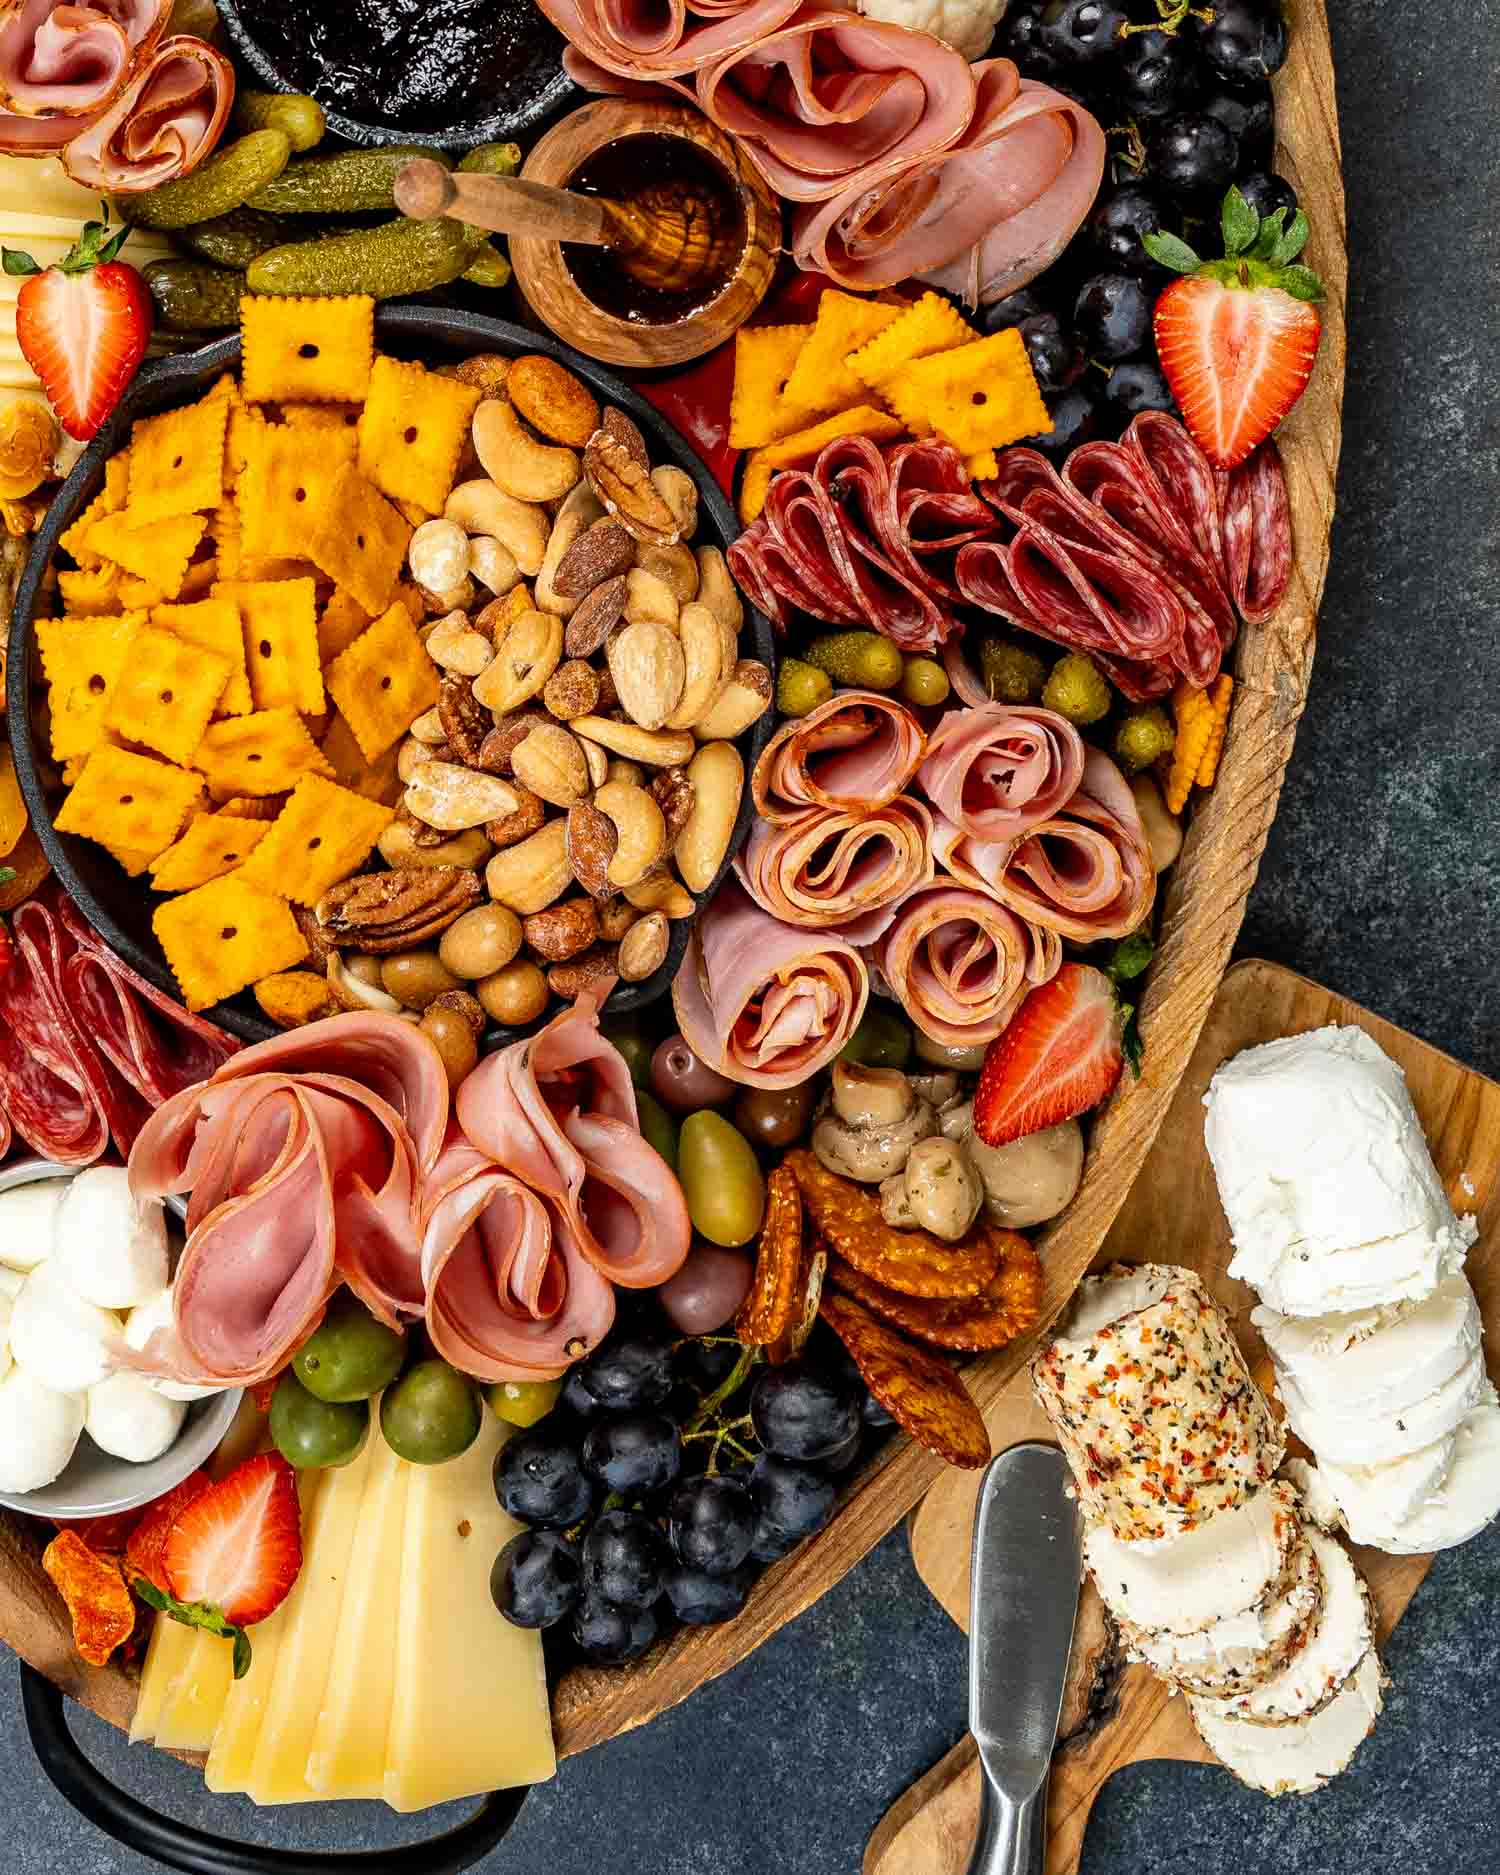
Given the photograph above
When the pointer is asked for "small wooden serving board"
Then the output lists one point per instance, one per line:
(1115, 1716)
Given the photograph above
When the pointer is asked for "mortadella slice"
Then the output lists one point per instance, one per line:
(998, 770)
(857, 751)
(1087, 872)
(828, 866)
(960, 963)
(161, 126)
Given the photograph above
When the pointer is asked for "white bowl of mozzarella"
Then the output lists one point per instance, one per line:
(84, 1268)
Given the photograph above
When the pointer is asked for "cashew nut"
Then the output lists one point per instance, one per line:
(530, 875)
(718, 778)
(515, 461)
(746, 697)
(680, 492)
(657, 748)
(702, 638)
(618, 769)
(456, 598)
(527, 652)
(661, 892)
(717, 590)
(438, 555)
(601, 767)
(429, 728)
(352, 992)
(493, 564)
(579, 511)
(454, 643)
(521, 527)
(640, 826)
(649, 600)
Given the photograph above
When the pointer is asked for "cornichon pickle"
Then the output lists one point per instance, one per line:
(863, 660)
(489, 267)
(351, 183)
(492, 159)
(398, 257)
(801, 687)
(228, 178)
(194, 296)
(298, 117)
(234, 240)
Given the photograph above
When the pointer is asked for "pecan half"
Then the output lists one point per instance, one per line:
(421, 833)
(595, 618)
(399, 909)
(626, 432)
(319, 941)
(592, 840)
(673, 793)
(465, 720)
(599, 553)
(571, 979)
(625, 487)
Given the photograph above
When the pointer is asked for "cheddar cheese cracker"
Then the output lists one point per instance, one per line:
(157, 553)
(361, 544)
(128, 800)
(804, 446)
(284, 495)
(933, 324)
(213, 625)
(213, 845)
(177, 460)
(262, 753)
(981, 396)
(383, 682)
(412, 431)
(223, 936)
(323, 834)
(821, 381)
(315, 351)
(90, 590)
(763, 361)
(166, 694)
(109, 500)
(81, 661)
(280, 625)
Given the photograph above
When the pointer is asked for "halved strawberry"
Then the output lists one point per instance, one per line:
(1237, 338)
(148, 1540)
(1061, 1054)
(239, 1545)
(82, 325)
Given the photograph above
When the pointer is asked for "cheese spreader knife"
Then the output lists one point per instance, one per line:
(1023, 1597)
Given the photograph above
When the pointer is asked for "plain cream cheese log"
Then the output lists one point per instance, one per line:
(1341, 1637)
(1457, 1507)
(1229, 1563)
(1325, 1177)
(1281, 1759)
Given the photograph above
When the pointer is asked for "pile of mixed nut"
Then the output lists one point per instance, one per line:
(578, 781)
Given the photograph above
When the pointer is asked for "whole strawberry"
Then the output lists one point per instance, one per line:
(1237, 337)
(82, 325)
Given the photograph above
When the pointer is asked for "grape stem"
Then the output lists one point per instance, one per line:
(726, 1389)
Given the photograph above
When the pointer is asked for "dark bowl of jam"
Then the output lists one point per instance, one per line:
(449, 73)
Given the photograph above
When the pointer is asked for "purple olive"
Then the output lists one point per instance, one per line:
(706, 1291)
(683, 1082)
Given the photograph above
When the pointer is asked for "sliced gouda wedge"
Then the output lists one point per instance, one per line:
(347, 1756)
(471, 1711)
(167, 1655)
(195, 1702)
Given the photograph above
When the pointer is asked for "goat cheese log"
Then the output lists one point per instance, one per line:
(1153, 1404)
(1304, 1755)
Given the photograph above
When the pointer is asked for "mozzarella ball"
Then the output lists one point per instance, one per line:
(7, 1359)
(28, 1222)
(141, 1324)
(64, 1342)
(111, 1247)
(128, 1418)
(38, 1430)
(10, 1282)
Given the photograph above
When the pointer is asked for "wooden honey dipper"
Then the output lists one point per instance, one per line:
(665, 239)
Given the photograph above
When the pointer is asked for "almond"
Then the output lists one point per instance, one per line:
(643, 949)
(571, 979)
(591, 843)
(552, 399)
(561, 931)
(596, 617)
(596, 555)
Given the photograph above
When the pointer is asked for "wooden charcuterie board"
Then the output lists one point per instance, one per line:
(1173, 1216)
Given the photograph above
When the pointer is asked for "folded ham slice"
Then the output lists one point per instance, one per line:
(761, 1001)
(992, 209)
(858, 751)
(960, 963)
(161, 126)
(828, 866)
(997, 770)
(73, 59)
(636, 39)
(557, 1109)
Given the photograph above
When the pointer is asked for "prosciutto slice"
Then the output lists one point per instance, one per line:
(998, 770)
(827, 865)
(510, 1294)
(72, 60)
(161, 126)
(763, 1002)
(992, 209)
(1256, 533)
(857, 751)
(557, 1109)
(960, 963)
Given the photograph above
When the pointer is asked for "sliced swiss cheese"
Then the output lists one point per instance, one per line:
(471, 1714)
(195, 1700)
(166, 1657)
(278, 1772)
(347, 1755)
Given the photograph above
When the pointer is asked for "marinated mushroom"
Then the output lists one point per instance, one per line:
(871, 1096)
(939, 1090)
(1031, 1179)
(943, 1190)
(887, 1121)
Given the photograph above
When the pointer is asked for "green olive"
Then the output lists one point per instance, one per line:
(924, 682)
(963, 1058)
(656, 1124)
(523, 1402)
(313, 1434)
(882, 1040)
(627, 1037)
(775, 1116)
(480, 942)
(431, 1414)
(721, 1179)
(349, 1355)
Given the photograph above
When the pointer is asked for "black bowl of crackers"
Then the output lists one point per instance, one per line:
(266, 760)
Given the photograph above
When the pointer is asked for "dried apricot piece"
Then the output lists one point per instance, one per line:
(100, 1605)
(917, 1387)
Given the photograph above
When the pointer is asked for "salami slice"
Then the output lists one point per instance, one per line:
(1257, 534)
(52, 1085)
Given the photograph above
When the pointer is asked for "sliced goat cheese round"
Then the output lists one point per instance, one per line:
(1384, 1360)
(111, 1247)
(39, 1429)
(153, 1317)
(1153, 1404)
(11, 1281)
(1325, 1177)
(28, 1214)
(1376, 1438)
(1340, 1639)
(64, 1342)
(1378, 1497)
(7, 1359)
(1238, 1560)
(129, 1419)
(1239, 1650)
(1458, 1506)
(1303, 1756)
(1319, 1505)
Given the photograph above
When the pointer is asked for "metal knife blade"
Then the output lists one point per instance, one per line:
(1028, 1561)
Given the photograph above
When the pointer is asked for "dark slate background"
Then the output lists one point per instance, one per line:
(1382, 880)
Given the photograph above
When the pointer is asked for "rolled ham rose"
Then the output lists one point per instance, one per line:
(1087, 873)
(960, 963)
(72, 60)
(161, 126)
(828, 866)
(636, 40)
(858, 751)
(763, 1002)
(998, 770)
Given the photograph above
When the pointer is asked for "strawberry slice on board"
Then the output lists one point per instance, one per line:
(238, 1547)
(1060, 1055)
(82, 325)
(1237, 337)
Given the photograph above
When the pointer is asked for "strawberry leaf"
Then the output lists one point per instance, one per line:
(1131, 1045)
(197, 1615)
(1132, 955)
(1240, 223)
(1301, 283)
(1270, 234)
(1291, 242)
(17, 263)
(1168, 251)
(7, 873)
